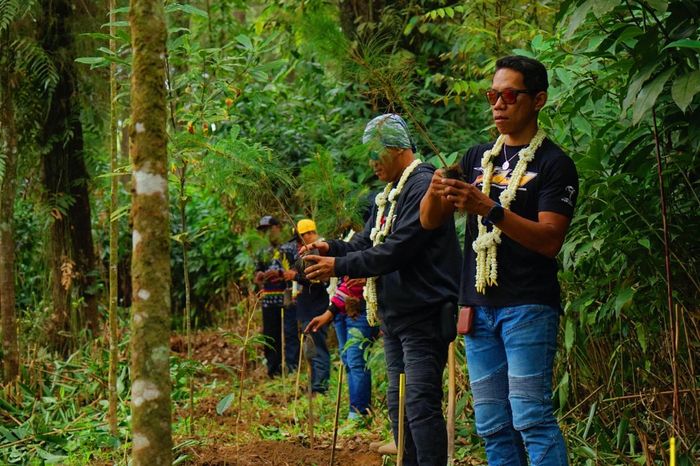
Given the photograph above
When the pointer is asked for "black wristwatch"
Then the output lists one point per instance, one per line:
(494, 216)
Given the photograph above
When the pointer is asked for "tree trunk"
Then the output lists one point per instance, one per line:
(150, 325)
(8, 189)
(65, 177)
(113, 234)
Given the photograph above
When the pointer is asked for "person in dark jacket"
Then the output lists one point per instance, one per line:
(417, 273)
(311, 302)
(272, 275)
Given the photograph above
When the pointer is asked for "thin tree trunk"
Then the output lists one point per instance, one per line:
(188, 293)
(65, 176)
(8, 190)
(113, 235)
(150, 390)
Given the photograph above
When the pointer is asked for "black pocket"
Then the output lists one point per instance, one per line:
(448, 322)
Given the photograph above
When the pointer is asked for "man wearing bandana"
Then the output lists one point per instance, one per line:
(417, 287)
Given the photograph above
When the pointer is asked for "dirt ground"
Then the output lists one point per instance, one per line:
(218, 445)
(267, 431)
(273, 453)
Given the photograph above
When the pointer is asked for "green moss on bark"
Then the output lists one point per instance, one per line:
(151, 254)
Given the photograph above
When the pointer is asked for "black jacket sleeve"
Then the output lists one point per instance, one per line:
(407, 236)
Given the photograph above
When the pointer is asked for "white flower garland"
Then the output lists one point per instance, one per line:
(487, 242)
(379, 233)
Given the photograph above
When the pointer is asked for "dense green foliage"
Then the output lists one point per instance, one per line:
(268, 101)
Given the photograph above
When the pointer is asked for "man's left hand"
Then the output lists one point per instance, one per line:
(322, 269)
(466, 197)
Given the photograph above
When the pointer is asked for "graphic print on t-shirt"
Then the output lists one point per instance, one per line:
(502, 177)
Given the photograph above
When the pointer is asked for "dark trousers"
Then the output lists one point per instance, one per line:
(272, 329)
(421, 354)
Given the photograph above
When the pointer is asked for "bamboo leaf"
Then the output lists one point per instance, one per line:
(684, 43)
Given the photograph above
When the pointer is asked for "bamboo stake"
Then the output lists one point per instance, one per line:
(311, 407)
(402, 418)
(451, 393)
(301, 352)
(337, 412)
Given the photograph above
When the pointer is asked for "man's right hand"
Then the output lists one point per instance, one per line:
(319, 322)
(322, 247)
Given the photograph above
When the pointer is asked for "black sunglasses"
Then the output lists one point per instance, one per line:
(509, 96)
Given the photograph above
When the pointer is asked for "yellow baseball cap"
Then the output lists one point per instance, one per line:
(305, 225)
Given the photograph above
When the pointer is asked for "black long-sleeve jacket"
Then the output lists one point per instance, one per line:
(418, 269)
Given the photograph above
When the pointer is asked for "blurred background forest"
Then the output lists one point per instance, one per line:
(267, 102)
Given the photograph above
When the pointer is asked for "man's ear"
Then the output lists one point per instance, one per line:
(540, 100)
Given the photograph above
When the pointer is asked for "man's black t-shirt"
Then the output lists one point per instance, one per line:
(550, 184)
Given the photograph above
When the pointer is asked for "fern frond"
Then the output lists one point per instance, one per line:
(13, 10)
(33, 61)
(8, 12)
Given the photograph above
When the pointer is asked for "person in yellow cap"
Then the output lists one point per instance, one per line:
(312, 301)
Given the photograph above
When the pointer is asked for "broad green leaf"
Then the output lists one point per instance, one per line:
(659, 5)
(90, 60)
(684, 89)
(186, 9)
(642, 335)
(225, 403)
(117, 24)
(645, 242)
(577, 17)
(245, 41)
(569, 334)
(601, 7)
(50, 458)
(648, 95)
(687, 43)
(636, 84)
(624, 297)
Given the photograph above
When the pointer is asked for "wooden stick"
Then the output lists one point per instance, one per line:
(337, 412)
(284, 359)
(451, 393)
(301, 353)
(311, 407)
(402, 418)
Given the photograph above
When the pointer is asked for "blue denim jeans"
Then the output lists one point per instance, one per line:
(421, 354)
(359, 376)
(321, 363)
(510, 354)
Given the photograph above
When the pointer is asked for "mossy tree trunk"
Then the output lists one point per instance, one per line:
(8, 189)
(65, 176)
(150, 325)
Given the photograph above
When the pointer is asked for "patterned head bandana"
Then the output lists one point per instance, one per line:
(389, 130)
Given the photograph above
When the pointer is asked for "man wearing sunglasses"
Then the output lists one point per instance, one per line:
(513, 338)
(417, 285)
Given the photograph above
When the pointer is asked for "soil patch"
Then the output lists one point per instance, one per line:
(272, 453)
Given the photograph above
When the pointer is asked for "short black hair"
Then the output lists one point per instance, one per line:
(534, 73)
